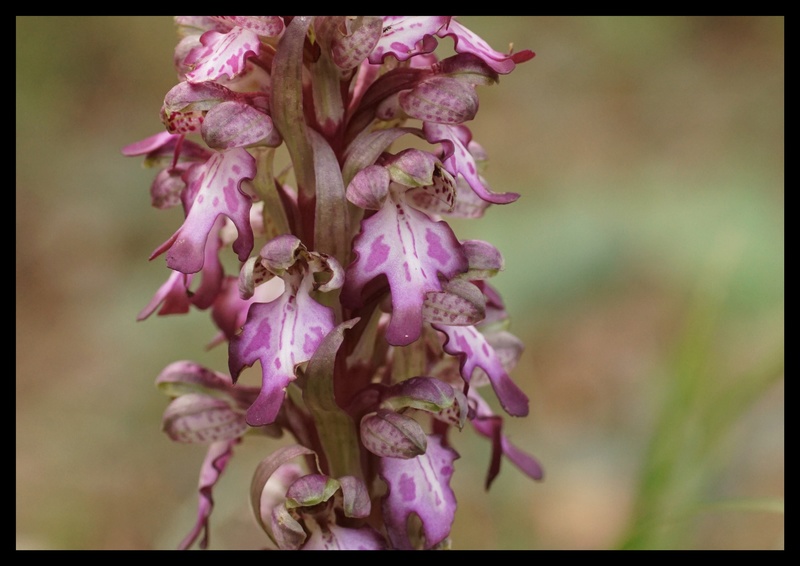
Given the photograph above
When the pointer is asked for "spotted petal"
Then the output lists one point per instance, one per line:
(419, 486)
(335, 537)
(411, 250)
(348, 50)
(387, 433)
(406, 36)
(409, 36)
(267, 26)
(186, 104)
(460, 303)
(457, 159)
(236, 124)
(222, 54)
(443, 100)
(459, 200)
(217, 187)
(474, 352)
(279, 334)
(202, 419)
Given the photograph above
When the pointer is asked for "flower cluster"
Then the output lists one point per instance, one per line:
(373, 326)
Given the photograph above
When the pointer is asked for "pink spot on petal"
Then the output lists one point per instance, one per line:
(408, 489)
(407, 271)
(397, 46)
(378, 254)
(312, 340)
(435, 248)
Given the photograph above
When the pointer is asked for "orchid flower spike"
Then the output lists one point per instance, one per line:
(368, 324)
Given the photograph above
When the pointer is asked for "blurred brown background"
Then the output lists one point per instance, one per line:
(644, 272)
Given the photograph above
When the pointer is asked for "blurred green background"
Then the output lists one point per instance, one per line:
(644, 273)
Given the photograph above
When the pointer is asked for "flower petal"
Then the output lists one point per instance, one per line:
(266, 26)
(349, 50)
(229, 311)
(369, 188)
(184, 376)
(310, 490)
(284, 332)
(355, 497)
(214, 464)
(186, 104)
(217, 186)
(151, 144)
(458, 160)
(474, 351)
(201, 419)
(425, 393)
(484, 259)
(280, 335)
(335, 537)
(442, 100)
(419, 486)
(173, 296)
(390, 434)
(169, 183)
(288, 533)
(489, 425)
(222, 54)
(466, 41)
(460, 303)
(235, 124)
(365, 149)
(411, 250)
(406, 36)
